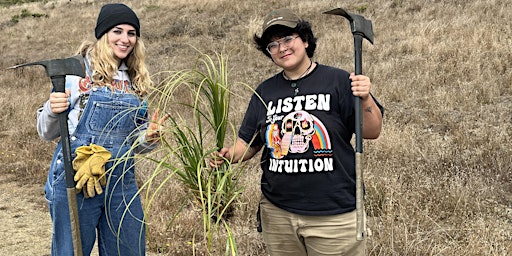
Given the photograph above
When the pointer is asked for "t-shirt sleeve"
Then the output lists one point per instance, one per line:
(378, 105)
(253, 121)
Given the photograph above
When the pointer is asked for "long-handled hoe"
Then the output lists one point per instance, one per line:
(57, 69)
(361, 28)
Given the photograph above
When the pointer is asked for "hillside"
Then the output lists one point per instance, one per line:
(439, 178)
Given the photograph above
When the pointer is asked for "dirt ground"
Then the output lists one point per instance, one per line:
(26, 226)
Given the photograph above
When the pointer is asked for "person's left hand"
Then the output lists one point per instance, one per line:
(154, 131)
(361, 85)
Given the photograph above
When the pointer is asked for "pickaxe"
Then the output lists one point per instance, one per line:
(57, 69)
(361, 28)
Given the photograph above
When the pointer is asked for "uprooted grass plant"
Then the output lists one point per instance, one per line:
(205, 119)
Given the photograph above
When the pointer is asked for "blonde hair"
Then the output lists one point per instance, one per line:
(104, 64)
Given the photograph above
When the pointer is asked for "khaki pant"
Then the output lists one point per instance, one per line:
(289, 234)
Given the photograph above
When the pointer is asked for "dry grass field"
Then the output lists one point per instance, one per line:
(439, 179)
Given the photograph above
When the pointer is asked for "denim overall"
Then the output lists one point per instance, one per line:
(116, 216)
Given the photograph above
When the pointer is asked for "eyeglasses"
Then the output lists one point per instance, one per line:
(286, 41)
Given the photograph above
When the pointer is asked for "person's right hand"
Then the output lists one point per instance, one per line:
(217, 158)
(59, 101)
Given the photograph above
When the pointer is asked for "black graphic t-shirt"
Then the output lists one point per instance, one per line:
(308, 161)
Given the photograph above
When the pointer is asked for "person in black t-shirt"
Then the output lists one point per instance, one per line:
(303, 118)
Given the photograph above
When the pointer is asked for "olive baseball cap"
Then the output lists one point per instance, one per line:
(283, 17)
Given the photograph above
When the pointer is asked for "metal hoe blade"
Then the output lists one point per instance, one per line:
(358, 24)
(58, 67)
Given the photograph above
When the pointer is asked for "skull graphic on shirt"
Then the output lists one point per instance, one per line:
(297, 130)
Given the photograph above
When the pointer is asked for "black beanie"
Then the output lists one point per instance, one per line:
(114, 14)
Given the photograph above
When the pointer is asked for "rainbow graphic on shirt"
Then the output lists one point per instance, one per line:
(321, 141)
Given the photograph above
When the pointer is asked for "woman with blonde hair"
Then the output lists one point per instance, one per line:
(108, 124)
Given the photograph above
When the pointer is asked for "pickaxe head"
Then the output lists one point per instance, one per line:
(358, 24)
(59, 67)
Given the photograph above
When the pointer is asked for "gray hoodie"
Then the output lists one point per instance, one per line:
(48, 123)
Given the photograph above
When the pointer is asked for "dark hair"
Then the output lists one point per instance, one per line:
(303, 28)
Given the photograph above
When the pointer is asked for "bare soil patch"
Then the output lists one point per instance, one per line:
(26, 227)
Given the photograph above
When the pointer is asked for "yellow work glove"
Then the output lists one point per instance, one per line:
(89, 165)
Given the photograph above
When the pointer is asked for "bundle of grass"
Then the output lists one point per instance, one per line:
(203, 92)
